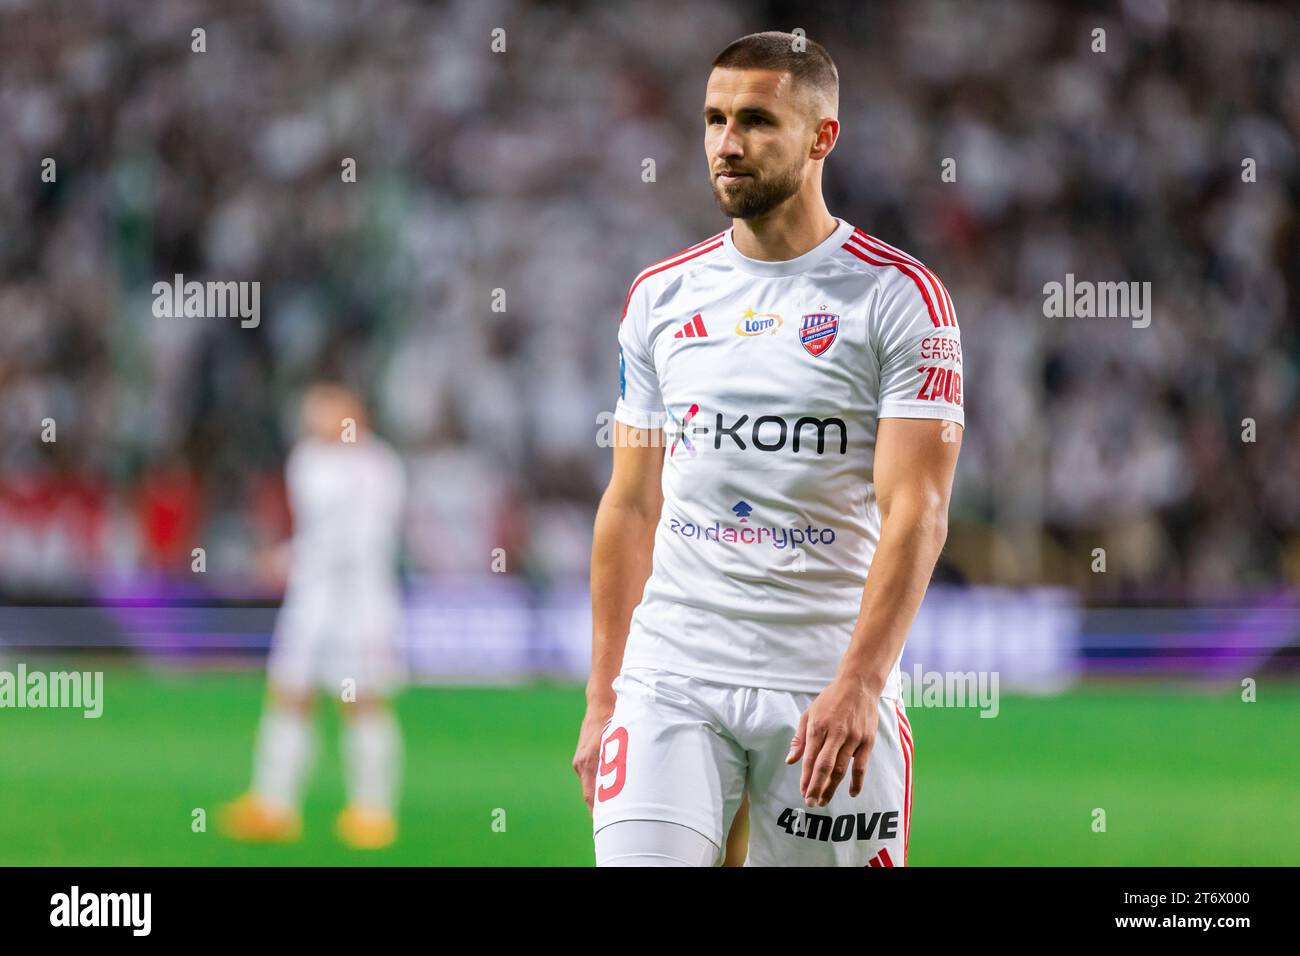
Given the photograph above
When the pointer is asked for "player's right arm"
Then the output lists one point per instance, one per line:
(623, 537)
(621, 549)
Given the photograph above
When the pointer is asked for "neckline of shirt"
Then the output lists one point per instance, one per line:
(787, 267)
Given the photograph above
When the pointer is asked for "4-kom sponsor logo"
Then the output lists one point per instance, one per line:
(770, 433)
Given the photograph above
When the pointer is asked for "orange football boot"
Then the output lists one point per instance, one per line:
(366, 828)
(250, 819)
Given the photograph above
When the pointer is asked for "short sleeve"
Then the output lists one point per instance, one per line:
(640, 403)
(918, 344)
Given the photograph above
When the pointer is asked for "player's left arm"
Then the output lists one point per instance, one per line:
(915, 462)
(917, 443)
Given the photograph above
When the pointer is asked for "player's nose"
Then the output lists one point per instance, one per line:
(729, 144)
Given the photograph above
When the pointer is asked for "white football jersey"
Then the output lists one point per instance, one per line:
(769, 379)
(347, 500)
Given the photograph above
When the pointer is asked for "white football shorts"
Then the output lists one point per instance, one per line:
(322, 641)
(683, 750)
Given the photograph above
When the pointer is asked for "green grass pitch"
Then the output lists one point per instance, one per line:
(1184, 778)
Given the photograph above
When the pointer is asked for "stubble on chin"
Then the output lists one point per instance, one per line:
(756, 198)
(730, 206)
(739, 203)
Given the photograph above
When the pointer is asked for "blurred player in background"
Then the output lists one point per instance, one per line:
(812, 377)
(336, 631)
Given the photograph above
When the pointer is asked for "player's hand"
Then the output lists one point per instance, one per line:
(586, 758)
(838, 727)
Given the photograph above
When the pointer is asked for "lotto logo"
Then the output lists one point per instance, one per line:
(757, 323)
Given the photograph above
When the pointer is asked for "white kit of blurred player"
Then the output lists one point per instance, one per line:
(336, 631)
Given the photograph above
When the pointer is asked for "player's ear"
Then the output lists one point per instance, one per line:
(826, 130)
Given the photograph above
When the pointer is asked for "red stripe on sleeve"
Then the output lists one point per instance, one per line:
(906, 270)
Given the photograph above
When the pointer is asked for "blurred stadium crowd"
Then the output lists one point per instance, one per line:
(522, 171)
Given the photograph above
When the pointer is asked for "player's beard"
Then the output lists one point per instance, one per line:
(754, 197)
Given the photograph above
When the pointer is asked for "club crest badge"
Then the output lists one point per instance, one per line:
(817, 331)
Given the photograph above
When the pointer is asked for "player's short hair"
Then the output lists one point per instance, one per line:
(807, 62)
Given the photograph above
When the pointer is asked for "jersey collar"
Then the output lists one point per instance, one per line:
(787, 267)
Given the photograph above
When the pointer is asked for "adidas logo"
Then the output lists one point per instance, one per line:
(881, 859)
(694, 329)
